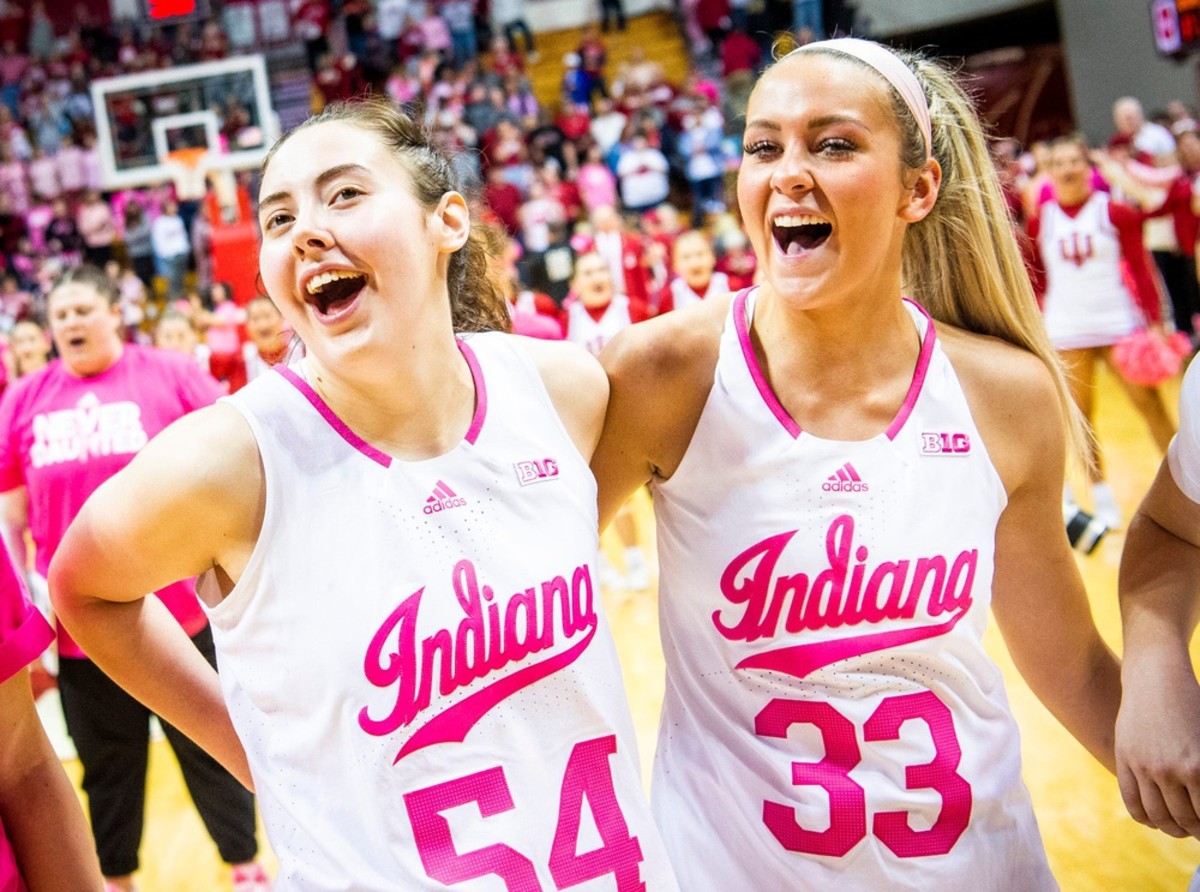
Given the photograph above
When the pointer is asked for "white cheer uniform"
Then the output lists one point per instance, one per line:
(416, 660)
(594, 334)
(1183, 455)
(1087, 303)
(682, 294)
(831, 718)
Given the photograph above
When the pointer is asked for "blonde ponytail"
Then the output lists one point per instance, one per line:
(962, 262)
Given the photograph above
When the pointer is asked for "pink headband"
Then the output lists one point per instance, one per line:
(891, 69)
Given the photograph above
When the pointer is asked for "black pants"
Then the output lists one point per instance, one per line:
(1179, 276)
(111, 731)
(609, 10)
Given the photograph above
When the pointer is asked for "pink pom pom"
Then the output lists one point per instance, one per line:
(1146, 357)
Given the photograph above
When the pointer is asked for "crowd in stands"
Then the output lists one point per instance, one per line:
(622, 164)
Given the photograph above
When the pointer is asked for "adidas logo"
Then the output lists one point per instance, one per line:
(845, 479)
(443, 499)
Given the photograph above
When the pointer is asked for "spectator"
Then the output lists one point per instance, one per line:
(30, 347)
(622, 252)
(508, 16)
(172, 248)
(97, 227)
(139, 245)
(459, 16)
(642, 172)
(576, 87)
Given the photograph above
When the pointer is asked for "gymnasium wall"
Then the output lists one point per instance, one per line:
(1110, 53)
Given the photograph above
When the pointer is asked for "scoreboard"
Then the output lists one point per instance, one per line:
(1176, 26)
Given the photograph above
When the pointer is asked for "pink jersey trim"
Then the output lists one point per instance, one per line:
(768, 395)
(480, 392)
(756, 373)
(331, 419)
(918, 380)
(362, 445)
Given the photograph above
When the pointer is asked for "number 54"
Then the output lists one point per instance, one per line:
(588, 772)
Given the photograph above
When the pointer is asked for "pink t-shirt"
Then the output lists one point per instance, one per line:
(222, 335)
(24, 634)
(65, 435)
(72, 173)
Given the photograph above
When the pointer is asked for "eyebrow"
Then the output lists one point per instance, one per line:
(814, 124)
(322, 179)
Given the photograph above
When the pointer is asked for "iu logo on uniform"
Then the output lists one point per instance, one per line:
(1077, 249)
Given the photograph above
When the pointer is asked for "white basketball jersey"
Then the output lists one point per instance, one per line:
(1087, 303)
(592, 334)
(682, 294)
(416, 660)
(831, 718)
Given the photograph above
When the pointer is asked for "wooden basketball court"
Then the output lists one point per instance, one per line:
(1093, 845)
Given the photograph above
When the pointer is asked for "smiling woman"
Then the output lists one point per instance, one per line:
(841, 493)
(442, 641)
(68, 429)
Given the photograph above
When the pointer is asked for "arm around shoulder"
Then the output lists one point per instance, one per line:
(660, 373)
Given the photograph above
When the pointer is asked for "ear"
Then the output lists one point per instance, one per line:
(920, 198)
(451, 222)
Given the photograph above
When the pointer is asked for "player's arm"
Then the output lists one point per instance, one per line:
(1038, 596)
(192, 500)
(38, 805)
(577, 388)
(660, 373)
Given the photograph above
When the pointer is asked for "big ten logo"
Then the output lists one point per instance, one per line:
(536, 471)
(1077, 249)
(945, 444)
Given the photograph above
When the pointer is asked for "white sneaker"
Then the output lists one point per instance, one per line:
(1104, 506)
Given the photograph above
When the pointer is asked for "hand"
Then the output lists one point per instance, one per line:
(1158, 750)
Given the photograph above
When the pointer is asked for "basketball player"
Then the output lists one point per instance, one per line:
(1083, 238)
(398, 541)
(842, 491)
(1158, 729)
(44, 841)
(66, 430)
(695, 277)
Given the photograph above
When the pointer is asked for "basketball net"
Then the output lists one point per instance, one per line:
(189, 172)
(191, 176)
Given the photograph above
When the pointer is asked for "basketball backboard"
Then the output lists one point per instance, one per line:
(222, 106)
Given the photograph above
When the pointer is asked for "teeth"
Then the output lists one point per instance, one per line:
(316, 283)
(792, 220)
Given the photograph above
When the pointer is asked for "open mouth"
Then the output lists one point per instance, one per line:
(76, 341)
(330, 291)
(797, 233)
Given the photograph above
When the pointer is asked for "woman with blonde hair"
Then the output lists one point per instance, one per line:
(850, 464)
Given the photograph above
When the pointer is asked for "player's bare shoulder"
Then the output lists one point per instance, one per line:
(1012, 397)
(576, 383)
(671, 353)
